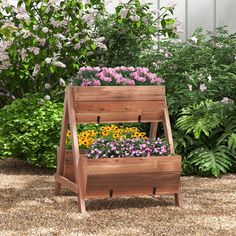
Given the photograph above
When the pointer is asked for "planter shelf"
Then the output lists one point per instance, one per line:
(110, 177)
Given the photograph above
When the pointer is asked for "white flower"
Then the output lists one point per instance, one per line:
(35, 50)
(134, 18)
(47, 98)
(102, 46)
(47, 86)
(209, 78)
(45, 29)
(8, 24)
(194, 39)
(202, 87)
(77, 46)
(22, 14)
(48, 60)
(23, 53)
(226, 100)
(168, 54)
(123, 13)
(36, 70)
(88, 18)
(60, 36)
(58, 64)
(100, 39)
(54, 23)
(35, 27)
(62, 82)
(190, 87)
(41, 41)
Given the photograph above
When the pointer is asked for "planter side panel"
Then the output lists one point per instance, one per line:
(133, 184)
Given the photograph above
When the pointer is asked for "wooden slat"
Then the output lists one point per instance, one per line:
(115, 93)
(119, 117)
(134, 183)
(118, 106)
(67, 183)
(133, 165)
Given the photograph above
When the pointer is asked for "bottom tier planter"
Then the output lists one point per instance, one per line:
(109, 177)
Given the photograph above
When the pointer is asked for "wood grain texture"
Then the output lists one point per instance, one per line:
(119, 93)
(117, 176)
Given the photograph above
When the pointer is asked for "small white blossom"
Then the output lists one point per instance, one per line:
(36, 70)
(102, 46)
(45, 29)
(209, 78)
(47, 86)
(227, 100)
(168, 54)
(88, 18)
(58, 64)
(77, 46)
(35, 50)
(47, 98)
(48, 60)
(190, 87)
(8, 24)
(60, 36)
(134, 18)
(202, 87)
(35, 27)
(23, 53)
(22, 14)
(62, 82)
(194, 39)
(123, 13)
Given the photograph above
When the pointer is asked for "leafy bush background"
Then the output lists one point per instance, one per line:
(30, 130)
(200, 77)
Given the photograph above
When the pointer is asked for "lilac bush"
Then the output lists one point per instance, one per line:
(128, 148)
(126, 76)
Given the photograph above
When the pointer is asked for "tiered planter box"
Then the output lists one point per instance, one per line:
(110, 177)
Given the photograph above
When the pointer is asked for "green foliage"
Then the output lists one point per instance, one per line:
(130, 31)
(45, 42)
(29, 130)
(202, 68)
(215, 160)
(200, 118)
(213, 128)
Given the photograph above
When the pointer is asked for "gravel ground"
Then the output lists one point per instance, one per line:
(28, 207)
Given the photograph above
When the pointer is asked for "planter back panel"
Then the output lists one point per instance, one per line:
(117, 104)
(109, 177)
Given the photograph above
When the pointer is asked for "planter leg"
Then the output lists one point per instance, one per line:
(179, 199)
(81, 202)
(57, 188)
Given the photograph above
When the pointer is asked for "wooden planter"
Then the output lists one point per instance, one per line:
(110, 177)
(117, 176)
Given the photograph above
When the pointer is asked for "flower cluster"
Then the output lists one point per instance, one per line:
(127, 148)
(129, 76)
(109, 133)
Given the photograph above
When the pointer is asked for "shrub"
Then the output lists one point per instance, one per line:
(132, 30)
(212, 130)
(30, 129)
(44, 43)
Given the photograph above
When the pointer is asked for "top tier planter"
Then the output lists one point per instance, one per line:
(110, 177)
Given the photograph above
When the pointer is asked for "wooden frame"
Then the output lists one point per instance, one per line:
(90, 178)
